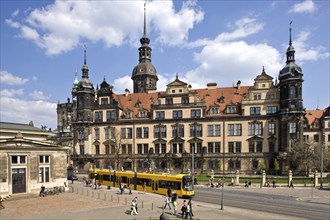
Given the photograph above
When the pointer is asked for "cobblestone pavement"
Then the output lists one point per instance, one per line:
(82, 202)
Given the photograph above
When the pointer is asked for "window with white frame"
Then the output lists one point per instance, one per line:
(44, 168)
(292, 127)
(18, 159)
(213, 130)
(271, 128)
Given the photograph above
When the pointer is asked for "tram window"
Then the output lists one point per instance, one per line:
(106, 177)
(140, 181)
(169, 184)
(124, 179)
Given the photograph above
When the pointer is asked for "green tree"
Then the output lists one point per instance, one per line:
(262, 165)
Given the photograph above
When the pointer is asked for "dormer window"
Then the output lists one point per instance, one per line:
(142, 114)
(214, 110)
(231, 109)
(128, 114)
(222, 99)
(169, 101)
(104, 101)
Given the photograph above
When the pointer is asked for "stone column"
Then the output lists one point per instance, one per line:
(316, 180)
(289, 177)
(237, 177)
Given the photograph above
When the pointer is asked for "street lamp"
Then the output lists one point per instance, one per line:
(223, 176)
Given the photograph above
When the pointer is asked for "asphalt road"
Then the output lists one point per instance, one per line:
(278, 204)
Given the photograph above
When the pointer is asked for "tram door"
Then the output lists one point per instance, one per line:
(19, 180)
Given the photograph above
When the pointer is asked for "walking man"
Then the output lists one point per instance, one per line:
(167, 202)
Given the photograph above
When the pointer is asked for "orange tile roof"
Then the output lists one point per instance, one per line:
(312, 115)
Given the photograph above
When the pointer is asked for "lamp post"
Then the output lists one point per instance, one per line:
(223, 177)
(193, 164)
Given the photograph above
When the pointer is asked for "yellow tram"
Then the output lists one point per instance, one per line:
(156, 183)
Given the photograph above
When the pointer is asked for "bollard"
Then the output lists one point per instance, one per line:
(142, 204)
(118, 199)
(125, 201)
(111, 198)
(87, 193)
(152, 206)
(105, 196)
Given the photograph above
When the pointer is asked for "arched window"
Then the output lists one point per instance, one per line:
(292, 92)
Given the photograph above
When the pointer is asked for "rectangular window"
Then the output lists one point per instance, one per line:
(106, 133)
(196, 130)
(111, 116)
(251, 146)
(99, 116)
(163, 148)
(82, 149)
(231, 147)
(195, 113)
(259, 146)
(104, 101)
(123, 148)
(97, 134)
(214, 111)
(231, 130)
(177, 114)
(44, 167)
(130, 148)
(139, 148)
(328, 137)
(213, 130)
(97, 149)
(146, 132)
(316, 138)
(271, 128)
(292, 127)
(271, 110)
(306, 138)
(157, 149)
(185, 100)
(258, 130)
(217, 147)
(145, 148)
(238, 147)
(178, 131)
(107, 149)
(231, 109)
(238, 129)
(251, 129)
(160, 115)
(138, 132)
(169, 101)
(254, 110)
(210, 147)
(123, 133)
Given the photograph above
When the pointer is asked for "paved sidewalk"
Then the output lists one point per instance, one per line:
(82, 202)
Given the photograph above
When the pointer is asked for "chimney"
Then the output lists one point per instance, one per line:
(126, 92)
(211, 86)
(238, 84)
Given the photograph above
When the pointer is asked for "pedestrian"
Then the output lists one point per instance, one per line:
(121, 187)
(136, 203)
(190, 207)
(175, 207)
(188, 212)
(133, 208)
(129, 190)
(42, 191)
(246, 183)
(167, 202)
(250, 183)
(169, 192)
(174, 196)
(144, 187)
(99, 185)
(183, 208)
(1, 201)
(274, 184)
(291, 184)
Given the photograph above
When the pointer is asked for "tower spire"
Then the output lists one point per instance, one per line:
(290, 41)
(145, 21)
(84, 68)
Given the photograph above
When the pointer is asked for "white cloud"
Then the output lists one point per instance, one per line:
(239, 60)
(11, 92)
(38, 95)
(7, 78)
(15, 13)
(307, 6)
(60, 26)
(22, 111)
(304, 52)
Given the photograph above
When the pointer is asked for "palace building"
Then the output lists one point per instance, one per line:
(224, 129)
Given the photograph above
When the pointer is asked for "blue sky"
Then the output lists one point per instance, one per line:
(42, 44)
